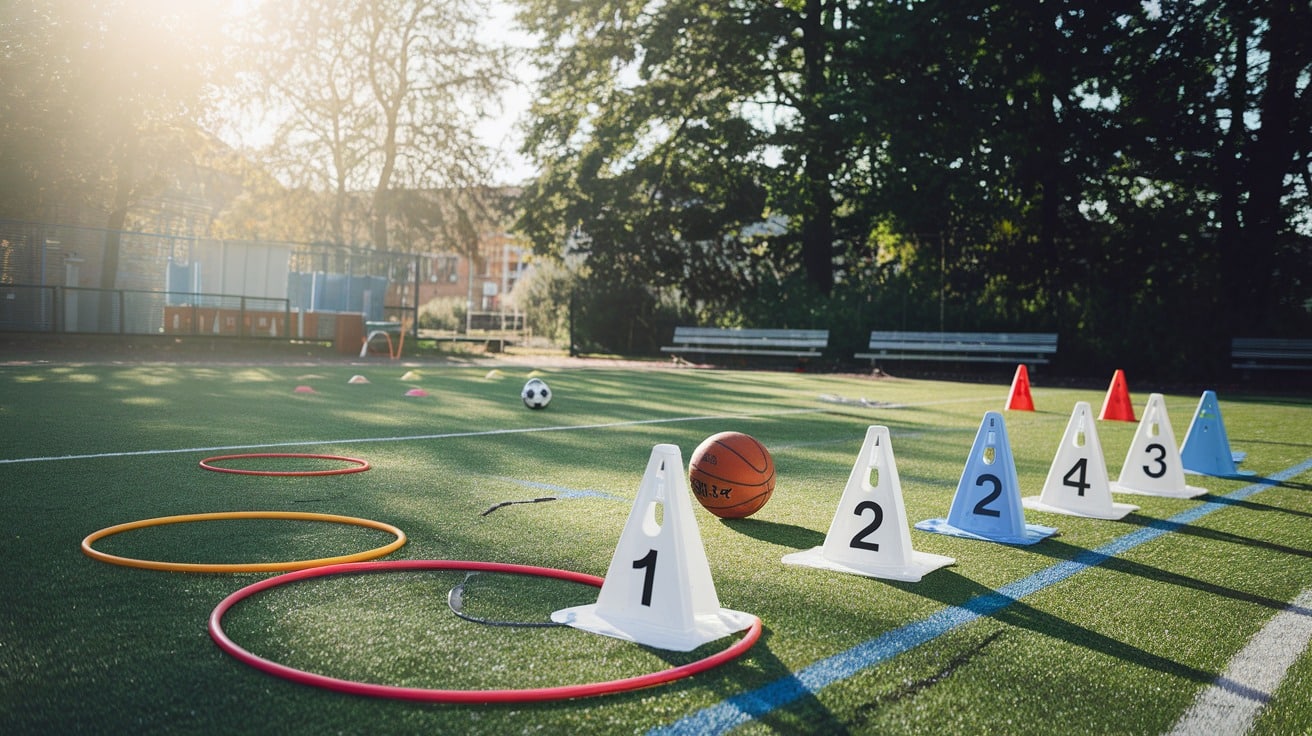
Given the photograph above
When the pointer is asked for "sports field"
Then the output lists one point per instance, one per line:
(1108, 627)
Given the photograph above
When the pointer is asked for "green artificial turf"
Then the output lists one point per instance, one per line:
(85, 646)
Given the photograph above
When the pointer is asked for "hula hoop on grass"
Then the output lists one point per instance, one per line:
(242, 567)
(356, 465)
(354, 687)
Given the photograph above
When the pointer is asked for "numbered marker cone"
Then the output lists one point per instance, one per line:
(987, 504)
(658, 590)
(869, 535)
(1018, 398)
(1077, 481)
(1153, 466)
(1116, 406)
(1206, 447)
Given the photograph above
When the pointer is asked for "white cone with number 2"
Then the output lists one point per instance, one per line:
(658, 591)
(869, 535)
(1077, 482)
(1153, 466)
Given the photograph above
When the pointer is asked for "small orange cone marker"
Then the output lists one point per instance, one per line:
(1117, 407)
(1019, 399)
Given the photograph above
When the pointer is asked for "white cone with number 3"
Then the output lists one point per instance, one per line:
(1077, 481)
(1153, 466)
(658, 590)
(869, 535)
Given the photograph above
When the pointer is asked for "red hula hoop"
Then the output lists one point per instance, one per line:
(353, 687)
(356, 465)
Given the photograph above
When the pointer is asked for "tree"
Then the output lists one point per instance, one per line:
(374, 96)
(689, 142)
(101, 101)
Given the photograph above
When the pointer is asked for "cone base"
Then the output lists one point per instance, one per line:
(920, 564)
(1217, 467)
(1119, 510)
(1185, 492)
(1034, 533)
(707, 627)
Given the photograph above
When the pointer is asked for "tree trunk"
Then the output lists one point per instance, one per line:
(1272, 153)
(818, 217)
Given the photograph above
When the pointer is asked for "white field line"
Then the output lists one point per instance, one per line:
(1230, 704)
(406, 438)
(451, 435)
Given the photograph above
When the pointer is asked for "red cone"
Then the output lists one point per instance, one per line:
(1117, 407)
(1019, 399)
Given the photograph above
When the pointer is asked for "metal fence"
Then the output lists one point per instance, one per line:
(38, 257)
(68, 309)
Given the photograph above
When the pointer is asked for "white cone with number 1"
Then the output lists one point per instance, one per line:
(1077, 482)
(869, 535)
(1153, 466)
(658, 590)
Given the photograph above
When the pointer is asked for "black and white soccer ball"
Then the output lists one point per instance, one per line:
(536, 394)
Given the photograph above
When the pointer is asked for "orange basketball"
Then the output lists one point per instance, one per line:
(731, 474)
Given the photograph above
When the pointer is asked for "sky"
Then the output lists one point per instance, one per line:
(501, 133)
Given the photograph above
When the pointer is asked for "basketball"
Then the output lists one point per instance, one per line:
(731, 474)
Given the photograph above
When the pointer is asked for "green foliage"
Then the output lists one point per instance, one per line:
(543, 294)
(1124, 174)
(101, 104)
(443, 313)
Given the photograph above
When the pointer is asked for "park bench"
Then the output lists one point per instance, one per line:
(1270, 353)
(736, 341)
(992, 347)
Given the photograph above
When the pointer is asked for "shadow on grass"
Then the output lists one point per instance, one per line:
(758, 669)
(1061, 551)
(1212, 534)
(952, 589)
(1260, 507)
(784, 535)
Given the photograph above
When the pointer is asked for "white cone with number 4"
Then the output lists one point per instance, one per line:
(658, 590)
(1153, 466)
(869, 535)
(1077, 481)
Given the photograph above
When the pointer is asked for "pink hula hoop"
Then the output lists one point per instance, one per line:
(353, 687)
(355, 465)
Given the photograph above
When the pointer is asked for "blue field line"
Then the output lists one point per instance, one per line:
(745, 707)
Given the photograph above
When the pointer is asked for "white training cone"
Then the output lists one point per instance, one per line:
(1077, 480)
(869, 534)
(987, 503)
(658, 590)
(1153, 466)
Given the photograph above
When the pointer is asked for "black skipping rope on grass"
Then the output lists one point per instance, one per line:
(456, 600)
(512, 503)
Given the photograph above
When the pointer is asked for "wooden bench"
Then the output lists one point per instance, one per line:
(991, 347)
(1270, 353)
(734, 341)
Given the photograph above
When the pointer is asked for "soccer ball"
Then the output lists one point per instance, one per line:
(536, 394)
